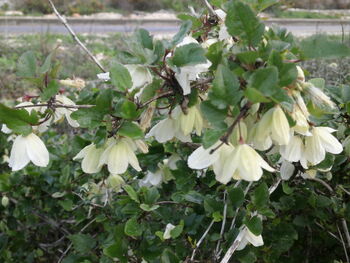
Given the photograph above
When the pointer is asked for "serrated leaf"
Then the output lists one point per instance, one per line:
(26, 66)
(133, 228)
(260, 196)
(184, 29)
(132, 193)
(265, 80)
(120, 77)
(82, 243)
(241, 21)
(211, 136)
(214, 115)
(131, 130)
(189, 54)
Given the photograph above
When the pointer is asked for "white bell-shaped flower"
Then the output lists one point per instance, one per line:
(249, 238)
(274, 124)
(171, 127)
(140, 76)
(167, 231)
(293, 151)
(190, 73)
(91, 159)
(60, 112)
(286, 170)
(244, 163)
(191, 121)
(318, 96)
(203, 158)
(318, 144)
(119, 154)
(151, 179)
(28, 148)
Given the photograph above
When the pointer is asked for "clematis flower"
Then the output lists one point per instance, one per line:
(5, 129)
(189, 73)
(286, 170)
(191, 121)
(60, 112)
(243, 163)
(249, 237)
(318, 144)
(317, 96)
(140, 76)
(118, 154)
(177, 125)
(151, 179)
(274, 124)
(167, 231)
(115, 182)
(74, 83)
(91, 159)
(28, 148)
(293, 151)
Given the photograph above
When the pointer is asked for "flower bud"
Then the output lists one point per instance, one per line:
(5, 201)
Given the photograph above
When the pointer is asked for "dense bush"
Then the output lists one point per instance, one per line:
(210, 145)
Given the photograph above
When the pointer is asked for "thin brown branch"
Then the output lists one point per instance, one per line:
(75, 37)
(162, 95)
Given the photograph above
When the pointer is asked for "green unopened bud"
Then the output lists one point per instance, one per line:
(115, 182)
(5, 201)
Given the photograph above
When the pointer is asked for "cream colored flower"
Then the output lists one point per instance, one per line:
(294, 150)
(74, 83)
(318, 144)
(286, 170)
(301, 75)
(152, 179)
(28, 148)
(191, 121)
(119, 154)
(317, 96)
(60, 112)
(274, 124)
(115, 182)
(171, 127)
(167, 231)
(249, 238)
(91, 159)
(244, 163)
(140, 75)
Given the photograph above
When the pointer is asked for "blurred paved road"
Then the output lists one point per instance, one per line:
(299, 28)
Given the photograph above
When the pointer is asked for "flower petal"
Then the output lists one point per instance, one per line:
(36, 150)
(202, 158)
(18, 157)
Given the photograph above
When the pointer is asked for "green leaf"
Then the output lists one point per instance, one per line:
(127, 110)
(214, 115)
(82, 243)
(168, 256)
(260, 196)
(133, 228)
(215, 53)
(288, 74)
(236, 196)
(248, 57)
(144, 37)
(88, 118)
(26, 66)
(176, 232)
(120, 77)
(18, 120)
(225, 88)
(255, 95)
(184, 29)
(132, 193)
(131, 130)
(66, 204)
(254, 224)
(241, 21)
(211, 136)
(50, 91)
(149, 208)
(189, 54)
(151, 195)
(46, 66)
(265, 80)
(321, 47)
